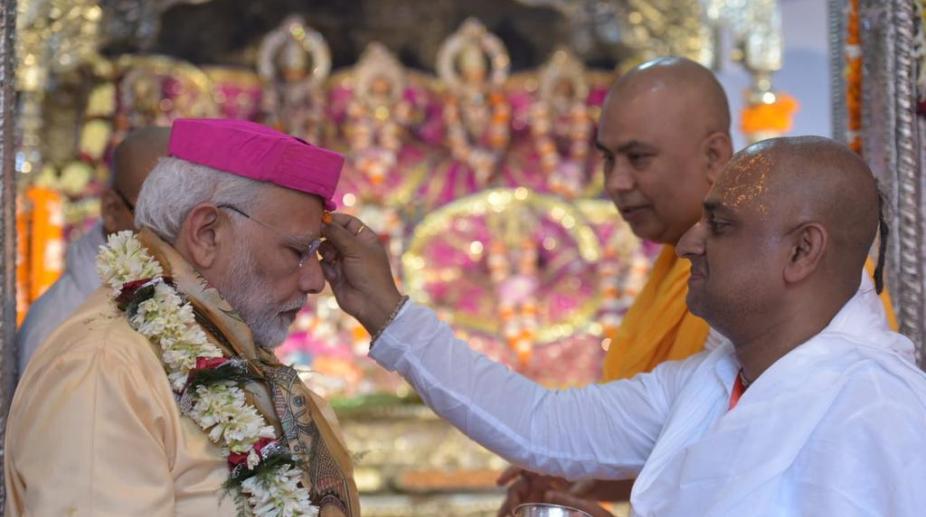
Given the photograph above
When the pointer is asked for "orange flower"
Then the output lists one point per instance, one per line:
(775, 117)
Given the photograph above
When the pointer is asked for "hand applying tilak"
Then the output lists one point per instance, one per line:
(356, 266)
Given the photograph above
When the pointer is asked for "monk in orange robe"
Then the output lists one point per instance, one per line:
(664, 136)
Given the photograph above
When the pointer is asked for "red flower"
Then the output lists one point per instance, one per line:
(203, 363)
(128, 290)
(241, 458)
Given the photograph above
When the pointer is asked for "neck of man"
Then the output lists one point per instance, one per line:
(758, 348)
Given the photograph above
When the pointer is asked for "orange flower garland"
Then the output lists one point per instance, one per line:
(853, 56)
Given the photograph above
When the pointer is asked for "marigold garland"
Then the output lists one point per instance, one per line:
(853, 77)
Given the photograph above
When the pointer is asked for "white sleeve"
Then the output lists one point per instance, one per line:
(604, 431)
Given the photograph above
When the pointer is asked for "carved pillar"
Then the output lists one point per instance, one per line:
(890, 140)
(7, 218)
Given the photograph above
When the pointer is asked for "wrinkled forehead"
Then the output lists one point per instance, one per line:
(745, 183)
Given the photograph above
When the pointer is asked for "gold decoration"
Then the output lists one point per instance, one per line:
(142, 91)
(514, 209)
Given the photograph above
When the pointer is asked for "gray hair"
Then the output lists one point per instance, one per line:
(174, 187)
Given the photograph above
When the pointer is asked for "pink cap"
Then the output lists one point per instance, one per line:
(259, 153)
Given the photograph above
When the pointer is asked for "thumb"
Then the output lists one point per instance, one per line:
(331, 273)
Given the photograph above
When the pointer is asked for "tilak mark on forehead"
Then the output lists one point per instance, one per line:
(745, 183)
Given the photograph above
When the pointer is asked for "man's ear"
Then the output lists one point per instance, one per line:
(717, 149)
(808, 247)
(110, 204)
(200, 235)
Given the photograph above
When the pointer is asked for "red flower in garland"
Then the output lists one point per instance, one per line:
(204, 363)
(241, 458)
(128, 290)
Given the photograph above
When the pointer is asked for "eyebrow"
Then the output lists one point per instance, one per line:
(601, 147)
(300, 241)
(634, 144)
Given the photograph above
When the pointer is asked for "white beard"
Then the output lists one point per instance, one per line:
(246, 294)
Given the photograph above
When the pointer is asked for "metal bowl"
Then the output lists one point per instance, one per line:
(547, 510)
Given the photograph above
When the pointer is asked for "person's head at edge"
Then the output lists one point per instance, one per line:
(664, 136)
(133, 159)
(785, 231)
(252, 240)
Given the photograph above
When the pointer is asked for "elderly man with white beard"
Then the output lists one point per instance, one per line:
(161, 395)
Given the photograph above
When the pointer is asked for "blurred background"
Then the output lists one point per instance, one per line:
(468, 128)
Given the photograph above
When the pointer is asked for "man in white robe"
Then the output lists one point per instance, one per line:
(133, 159)
(809, 409)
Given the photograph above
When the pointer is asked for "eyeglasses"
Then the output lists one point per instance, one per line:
(303, 251)
(128, 204)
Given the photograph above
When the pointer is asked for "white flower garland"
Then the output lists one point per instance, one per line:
(220, 409)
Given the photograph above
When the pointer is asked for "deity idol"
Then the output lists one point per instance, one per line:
(378, 111)
(476, 111)
(294, 61)
(155, 90)
(554, 154)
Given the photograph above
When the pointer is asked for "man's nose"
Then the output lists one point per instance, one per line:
(311, 278)
(619, 179)
(692, 242)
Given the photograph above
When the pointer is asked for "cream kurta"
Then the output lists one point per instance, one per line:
(94, 430)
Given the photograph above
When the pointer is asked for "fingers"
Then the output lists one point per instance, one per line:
(328, 251)
(581, 488)
(346, 231)
(517, 493)
(509, 474)
(338, 234)
(563, 499)
(348, 222)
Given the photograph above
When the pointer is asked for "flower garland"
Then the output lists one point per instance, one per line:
(375, 134)
(853, 73)
(263, 474)
(466, 118)
(565, 176)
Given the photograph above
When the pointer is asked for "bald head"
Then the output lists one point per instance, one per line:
(795, 180)
(135, 156)
(665, 135)
(686, 85)
(784, 237)
(133, 159)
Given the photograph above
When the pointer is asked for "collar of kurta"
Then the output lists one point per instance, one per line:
(326, 464)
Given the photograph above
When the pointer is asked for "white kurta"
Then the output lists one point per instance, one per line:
(78, 282)
(836, 427)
